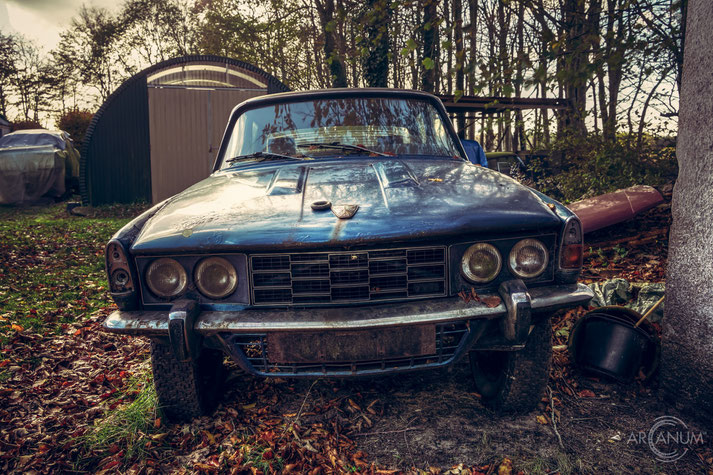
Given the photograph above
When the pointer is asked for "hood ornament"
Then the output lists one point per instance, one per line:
(321, 205)
(344, 211)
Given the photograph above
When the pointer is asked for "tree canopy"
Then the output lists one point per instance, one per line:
(617, 61)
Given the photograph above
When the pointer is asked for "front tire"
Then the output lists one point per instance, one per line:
(186, 389)
(514, 381)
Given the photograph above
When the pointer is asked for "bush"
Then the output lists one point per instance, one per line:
(586, 167)
(25, 124)
(75, 122)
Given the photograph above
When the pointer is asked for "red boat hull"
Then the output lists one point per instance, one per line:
(612, 208)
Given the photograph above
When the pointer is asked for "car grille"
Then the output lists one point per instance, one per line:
(344, 277)
(252, 349)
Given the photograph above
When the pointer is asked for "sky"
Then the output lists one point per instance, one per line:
(43, 20)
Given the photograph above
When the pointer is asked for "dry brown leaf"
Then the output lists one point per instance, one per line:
(492, 301)
(505, 467)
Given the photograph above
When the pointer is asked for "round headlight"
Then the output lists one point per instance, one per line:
(166, 278)
(528, 258)
(216, 277)
(481, 263)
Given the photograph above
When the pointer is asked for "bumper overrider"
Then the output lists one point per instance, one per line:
(353, 341)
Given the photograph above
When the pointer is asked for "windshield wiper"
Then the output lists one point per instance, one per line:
(262, 156)
(342, 146)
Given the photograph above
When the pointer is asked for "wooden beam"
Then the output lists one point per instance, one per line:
(492, 105)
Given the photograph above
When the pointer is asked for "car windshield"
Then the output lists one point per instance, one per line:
(352, 126)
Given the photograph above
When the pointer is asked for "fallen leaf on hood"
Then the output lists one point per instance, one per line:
(474, 295)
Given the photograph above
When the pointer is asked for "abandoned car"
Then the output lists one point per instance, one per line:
(36, 163)
(343, 233)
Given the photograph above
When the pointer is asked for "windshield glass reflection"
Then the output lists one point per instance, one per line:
(342, 127)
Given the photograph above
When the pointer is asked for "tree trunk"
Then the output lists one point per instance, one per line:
(504, 131)
(429, 29)
(571, 66)
(376, 61)
(473, 10)
(615, 49)
(449, 50)
(460, 61)
(519, 139)
(325, 8)
(679, 58)
(686, 363)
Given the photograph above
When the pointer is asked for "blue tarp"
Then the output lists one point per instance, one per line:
(475, 152)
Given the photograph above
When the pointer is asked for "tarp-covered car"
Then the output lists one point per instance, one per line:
(344, 233)
(36, 163)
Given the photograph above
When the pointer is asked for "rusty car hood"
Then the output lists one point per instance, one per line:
(269, 206)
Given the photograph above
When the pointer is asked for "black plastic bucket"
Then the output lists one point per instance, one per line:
(605, 341)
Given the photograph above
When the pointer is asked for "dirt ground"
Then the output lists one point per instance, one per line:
(436, 420)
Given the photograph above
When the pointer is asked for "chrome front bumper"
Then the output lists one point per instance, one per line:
(456, 327)
(539, 300)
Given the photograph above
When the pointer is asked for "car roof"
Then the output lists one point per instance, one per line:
(56, 133)
(296, 96)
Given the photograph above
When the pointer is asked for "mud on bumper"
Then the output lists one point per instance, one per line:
(354, 341)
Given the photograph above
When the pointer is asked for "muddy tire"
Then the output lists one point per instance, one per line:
(186, 389)
(514, 381)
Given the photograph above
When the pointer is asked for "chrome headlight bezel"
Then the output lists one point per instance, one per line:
(518, 248)
(481, 248)
(180, 275)
(200, 282)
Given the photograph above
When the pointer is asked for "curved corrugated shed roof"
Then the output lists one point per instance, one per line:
(116, 153)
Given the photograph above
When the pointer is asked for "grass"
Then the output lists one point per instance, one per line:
(129, 431)
(52, 274)
(255, 457)
(561, 464)
(52, 265)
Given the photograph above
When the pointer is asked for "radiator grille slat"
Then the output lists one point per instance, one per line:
(340, 277)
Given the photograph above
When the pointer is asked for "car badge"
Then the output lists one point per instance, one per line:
(344, 211)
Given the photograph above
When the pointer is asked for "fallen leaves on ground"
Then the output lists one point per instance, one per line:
(636, 250)
(58, 383)
(505, 467)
